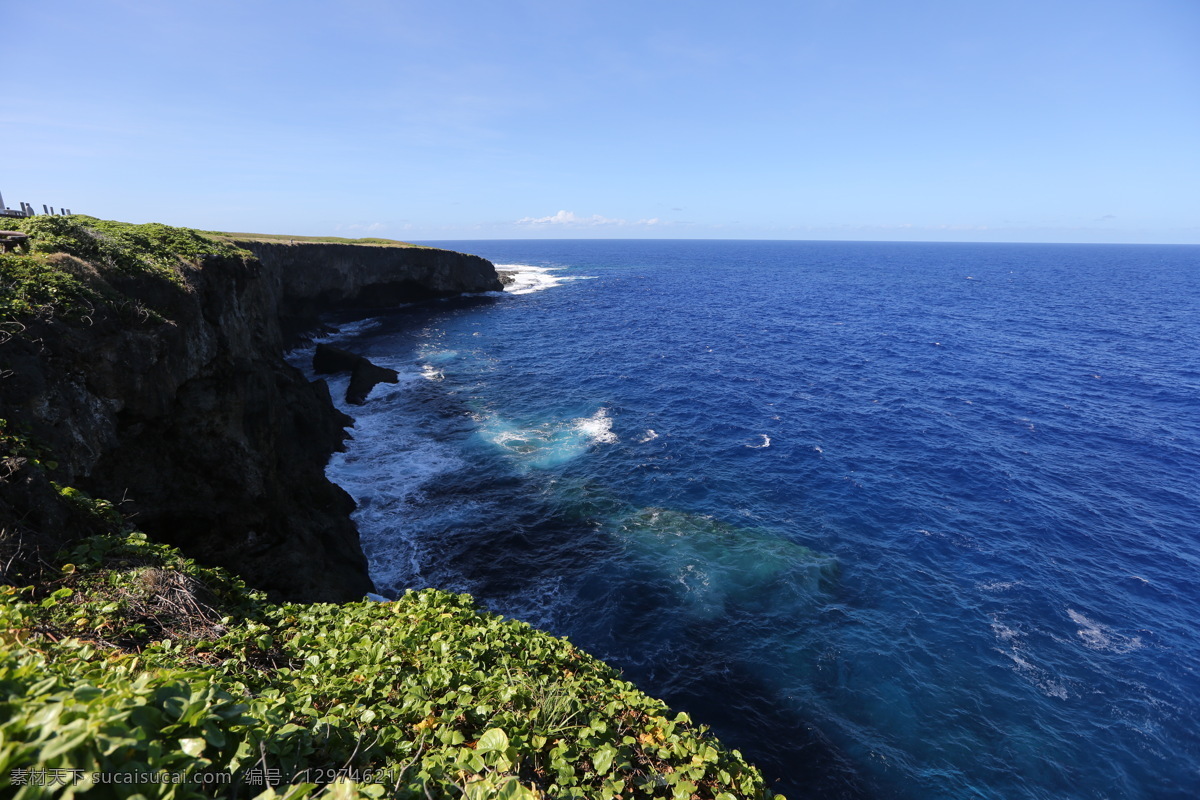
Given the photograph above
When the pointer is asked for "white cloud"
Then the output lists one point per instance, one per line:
(358, 226)
(571, 219)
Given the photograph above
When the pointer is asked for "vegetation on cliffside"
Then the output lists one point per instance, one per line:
(62, 273)
(127, 669)
(150, 248)
(120, 657)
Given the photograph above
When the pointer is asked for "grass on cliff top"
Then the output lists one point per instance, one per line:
(285, 238)
(152, 248)
(65, 271)
(126, 658)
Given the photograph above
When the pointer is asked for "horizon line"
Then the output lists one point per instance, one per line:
(813, 241)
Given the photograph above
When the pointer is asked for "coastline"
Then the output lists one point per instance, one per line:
(187, 413)
(145, 389)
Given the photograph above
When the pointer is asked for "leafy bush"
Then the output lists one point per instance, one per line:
(138, 661)
(35, 286)
(151, 248)
(29, 287)
(16, 450)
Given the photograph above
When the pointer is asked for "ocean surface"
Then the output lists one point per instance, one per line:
(896, 520)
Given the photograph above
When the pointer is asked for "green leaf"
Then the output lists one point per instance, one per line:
(684, 790)
(193, 747)
(86, 693)
(63, 743)
(602, 759)
(493, 739)
(471, 760)
(214, 735)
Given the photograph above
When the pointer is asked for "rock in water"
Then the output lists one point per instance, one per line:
(329, 359)
(363, 374)
(363, 380)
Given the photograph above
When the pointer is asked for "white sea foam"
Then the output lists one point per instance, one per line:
(347, 330)
(766, 442)
(540, 601)
(383, 462)
(435, 355)
(648, 436)
(385, 468)
(597, 427)
(549, 444)
(1101, 637)
(405, 539)
(1002, 631)
(1016, 650)
(527, 279)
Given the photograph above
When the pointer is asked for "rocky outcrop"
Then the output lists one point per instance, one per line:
(196, 426)
(328, 360)
(317, 277)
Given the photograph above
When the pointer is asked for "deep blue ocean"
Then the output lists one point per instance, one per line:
(896, 520)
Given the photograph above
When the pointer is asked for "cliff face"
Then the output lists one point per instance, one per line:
(195, 425)
(314, 278)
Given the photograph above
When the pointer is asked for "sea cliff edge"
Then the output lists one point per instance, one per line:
(164, 390)
(144, 391)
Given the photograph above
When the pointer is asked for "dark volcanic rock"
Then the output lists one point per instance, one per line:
(318, 277)
(363, 374)
(328, 360)
(363, 380)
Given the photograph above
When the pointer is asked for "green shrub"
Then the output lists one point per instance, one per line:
(34, 286)
(18, 448)
(30, 288)
(139, 661)
(151, 248)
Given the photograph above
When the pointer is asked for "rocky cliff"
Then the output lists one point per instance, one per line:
(166, 393)
(313, 278)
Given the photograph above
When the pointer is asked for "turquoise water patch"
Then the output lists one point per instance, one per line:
(712, 565)
(547, 445)
(899, 520)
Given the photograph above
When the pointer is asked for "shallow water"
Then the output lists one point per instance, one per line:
(898, 520)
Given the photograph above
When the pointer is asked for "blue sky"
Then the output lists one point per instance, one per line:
(1008, 120)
